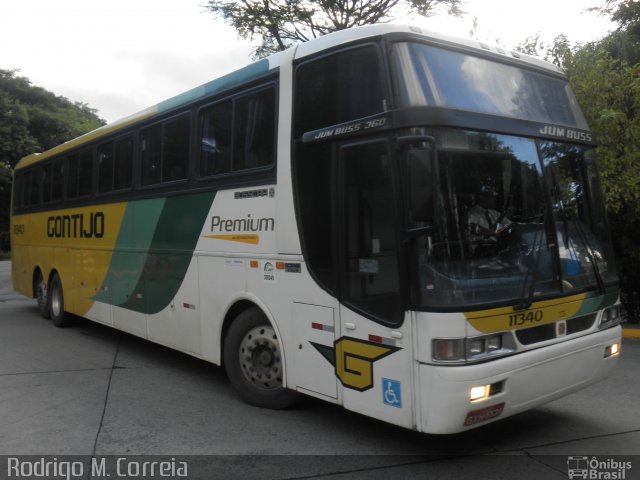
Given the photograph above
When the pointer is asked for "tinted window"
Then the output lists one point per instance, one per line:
(433, 76)
(123, 163)
(57, 179)
(47, 178)
(85, 186)
(52, 181)
(254, 130)
(175, 149)
(80, 179)
(35, 182)
(105, 167)
(238, 134)
(150, 154)
(165, 151)
(315, 174)
(338, 88)
(72, 179)
(372, 280)
(215, 139)
(18, 191)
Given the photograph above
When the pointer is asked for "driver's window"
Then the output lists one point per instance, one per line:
(420, 178)
(372, 281)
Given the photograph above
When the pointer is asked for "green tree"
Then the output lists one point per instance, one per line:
(33, 119)
(281, 23)
(6, 178)
(605, 77)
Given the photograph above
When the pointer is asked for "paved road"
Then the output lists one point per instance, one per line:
(89, 390)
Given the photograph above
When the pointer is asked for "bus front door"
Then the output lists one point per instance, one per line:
(373, 351)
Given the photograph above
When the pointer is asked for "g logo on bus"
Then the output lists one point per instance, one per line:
(353, 360)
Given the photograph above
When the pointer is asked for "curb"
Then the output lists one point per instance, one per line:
(632, 332)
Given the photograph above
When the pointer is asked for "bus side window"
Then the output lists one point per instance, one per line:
(85, 178)
(105, 167)
(123, 163)
(150, 154)
(56, 180)
(337, 88)
(47, 178)
(18, 191)
(72, 176)
(175, 149)
(36, 184)
(254, 130)
(215, 139)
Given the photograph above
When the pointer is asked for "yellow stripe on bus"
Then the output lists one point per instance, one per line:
(540, 313)
(250, 239)
(78, 243)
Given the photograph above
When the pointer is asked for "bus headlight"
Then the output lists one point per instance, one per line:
(610, 317)
(448, 349)
(472, 349)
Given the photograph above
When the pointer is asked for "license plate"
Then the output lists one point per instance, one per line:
(484, 414)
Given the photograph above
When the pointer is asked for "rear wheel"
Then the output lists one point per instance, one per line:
(41, 295)
(56, 302)
(253, 361)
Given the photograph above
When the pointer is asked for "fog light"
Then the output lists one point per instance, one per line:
(480, 393)
(610, 317)
(612, 350)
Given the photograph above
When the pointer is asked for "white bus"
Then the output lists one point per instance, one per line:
(404, 224)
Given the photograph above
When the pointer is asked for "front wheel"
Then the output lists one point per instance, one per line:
(253, 361)
(56, 302)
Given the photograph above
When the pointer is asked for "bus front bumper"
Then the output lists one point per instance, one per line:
(519, 382)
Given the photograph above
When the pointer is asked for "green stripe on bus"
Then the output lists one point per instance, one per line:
(246, 74)
(166, 263)
(134, 240)
(599, 302)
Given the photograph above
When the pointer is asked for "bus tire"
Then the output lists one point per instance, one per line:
(55, 299)
(253, 361)
(40, 287)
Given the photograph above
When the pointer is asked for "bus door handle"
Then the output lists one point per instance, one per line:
(350, 326)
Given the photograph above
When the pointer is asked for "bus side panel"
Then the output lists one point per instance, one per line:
(221, 282)
(20, 266)
(178, 324)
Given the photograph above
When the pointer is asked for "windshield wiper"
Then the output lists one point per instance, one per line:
(587, 246)
(592, 258)
(527, 300)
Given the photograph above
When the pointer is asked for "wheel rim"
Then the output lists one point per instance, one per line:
(56, 300)
(260, 358)
(41, 292)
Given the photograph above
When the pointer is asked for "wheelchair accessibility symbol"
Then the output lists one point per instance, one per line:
(391, 393)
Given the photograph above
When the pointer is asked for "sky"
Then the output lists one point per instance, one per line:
(122, 56)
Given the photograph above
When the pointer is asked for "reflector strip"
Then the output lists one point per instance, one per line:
(382, 340)
(320, 326)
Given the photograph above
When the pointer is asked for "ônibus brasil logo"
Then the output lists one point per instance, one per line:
(593, 468)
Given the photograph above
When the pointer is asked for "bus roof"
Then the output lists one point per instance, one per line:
(345, 36)
(262, 67)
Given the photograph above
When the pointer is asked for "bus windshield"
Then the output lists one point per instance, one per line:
(431, 76)
(504, 219)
